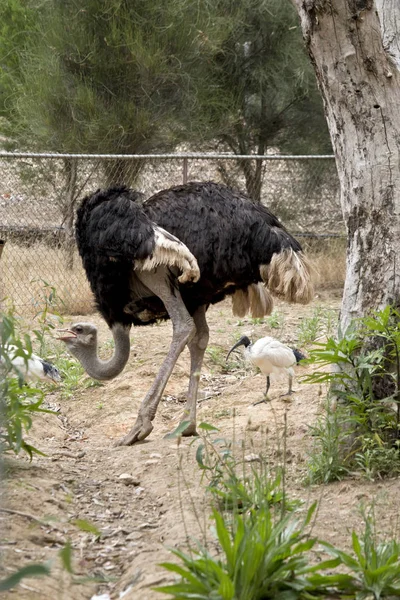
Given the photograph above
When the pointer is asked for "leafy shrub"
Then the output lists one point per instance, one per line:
(362, 430)
(18, 401)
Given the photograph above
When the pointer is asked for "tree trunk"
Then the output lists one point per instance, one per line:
(70, 166)
(355, 48)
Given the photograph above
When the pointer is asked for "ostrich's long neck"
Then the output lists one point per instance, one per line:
(107, 369)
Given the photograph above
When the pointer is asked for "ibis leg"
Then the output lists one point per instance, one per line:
(265, 399)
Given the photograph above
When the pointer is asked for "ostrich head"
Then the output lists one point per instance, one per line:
(81, 341)
(79, 336)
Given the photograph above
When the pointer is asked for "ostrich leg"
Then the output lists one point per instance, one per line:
(197, 347)
(183, 331)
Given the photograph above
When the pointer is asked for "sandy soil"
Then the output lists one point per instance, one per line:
(165, 501)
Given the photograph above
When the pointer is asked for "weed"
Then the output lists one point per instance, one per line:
(262, 550)
(217, 356)
(326, 462)
(364, 431)
(74, 376)
(262, 555)
(18, 401)
(47, 317)
(374, 566)
(322, 322)
(275, 320)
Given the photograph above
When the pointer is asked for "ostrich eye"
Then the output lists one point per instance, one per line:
(79, 329)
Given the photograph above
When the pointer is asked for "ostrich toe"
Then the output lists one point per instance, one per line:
(140, 431)
(190, 430)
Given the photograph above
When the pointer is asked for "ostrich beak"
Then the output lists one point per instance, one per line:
(68, 335)
(244, 341)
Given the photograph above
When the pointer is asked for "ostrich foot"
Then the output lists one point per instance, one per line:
(190, 430)
(142, 428)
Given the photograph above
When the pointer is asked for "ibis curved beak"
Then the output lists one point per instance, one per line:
(68, 335)
(242, 342)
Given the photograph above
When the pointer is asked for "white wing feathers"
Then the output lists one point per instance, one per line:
(170, 251)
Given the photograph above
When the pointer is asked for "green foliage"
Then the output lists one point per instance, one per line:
(263, 549)
(33, 570)
(135, 78)
(235, 484)
(17, 26)
(374, 566)
(18, 401)
(47, 317)
(108, 78)
(323, 322)
(260, 88)
(217, 356)
(72, 373)
(262, 554)
(326, 461)
(275, 320)
(363, 432)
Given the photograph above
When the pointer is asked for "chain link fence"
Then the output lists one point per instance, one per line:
(39, 194)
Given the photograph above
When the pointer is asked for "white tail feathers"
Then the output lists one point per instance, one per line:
(172, 252)
(254, 299)
(288, 276)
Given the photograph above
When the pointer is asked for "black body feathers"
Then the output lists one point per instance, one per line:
(229, 235)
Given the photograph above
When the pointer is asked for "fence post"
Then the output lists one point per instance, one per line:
(185, 170)
(2, 242)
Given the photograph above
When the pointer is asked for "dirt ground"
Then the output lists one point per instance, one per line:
(162, 505)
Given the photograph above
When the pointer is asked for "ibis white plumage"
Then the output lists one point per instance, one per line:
(31, 366)
(271, 357)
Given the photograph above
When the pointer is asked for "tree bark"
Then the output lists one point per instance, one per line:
(70, 166)
(354, 46)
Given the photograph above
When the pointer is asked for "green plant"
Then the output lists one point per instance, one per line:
(18, 401)
(322, 322)
(376, 460)
(32, 570)
(275, 320)
(374, 567)
(217, 356)
(263, 551)
(263, 554)
(360, 365)
(47, 317)
(235, 484)
(74, 376)
(326, 461)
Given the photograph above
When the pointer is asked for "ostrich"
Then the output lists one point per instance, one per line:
(30, 366)
(271, 357)
(171, 257)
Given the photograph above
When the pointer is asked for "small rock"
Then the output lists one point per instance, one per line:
(151, 461)
(135, 535)
(252, 458)
(155, 455)
(147, 526)
(128, 479)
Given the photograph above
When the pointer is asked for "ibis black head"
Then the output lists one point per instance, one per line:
(244, 341)
(299, 355)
